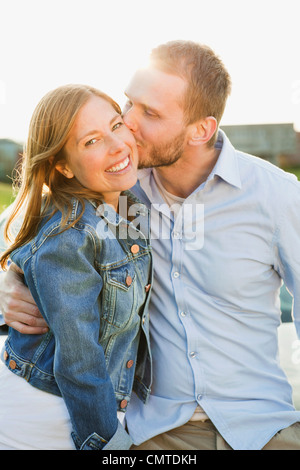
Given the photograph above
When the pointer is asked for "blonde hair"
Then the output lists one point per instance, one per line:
(208, 82)
(41, 184)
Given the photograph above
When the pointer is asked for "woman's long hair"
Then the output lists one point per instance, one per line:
(41, 184)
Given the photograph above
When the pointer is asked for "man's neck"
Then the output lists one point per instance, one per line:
(189, 172)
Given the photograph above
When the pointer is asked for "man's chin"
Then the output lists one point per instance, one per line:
(145, 162)
(142, 166)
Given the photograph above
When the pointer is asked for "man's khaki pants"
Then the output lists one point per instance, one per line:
(202, 435)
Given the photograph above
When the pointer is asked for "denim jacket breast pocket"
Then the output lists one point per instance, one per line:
(118, 298)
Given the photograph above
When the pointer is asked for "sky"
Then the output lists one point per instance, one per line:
(48, 43)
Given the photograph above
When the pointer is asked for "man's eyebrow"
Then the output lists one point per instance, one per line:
(96, 131)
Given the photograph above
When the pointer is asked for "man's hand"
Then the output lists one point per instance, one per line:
(17, 304)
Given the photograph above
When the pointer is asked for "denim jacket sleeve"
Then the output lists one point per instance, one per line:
(66, 287)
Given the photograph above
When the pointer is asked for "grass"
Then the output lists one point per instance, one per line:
(296, 171)
(6, 196)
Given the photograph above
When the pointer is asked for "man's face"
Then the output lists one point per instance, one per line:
(154, 114)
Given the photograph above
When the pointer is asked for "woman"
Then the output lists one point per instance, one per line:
(89, 271)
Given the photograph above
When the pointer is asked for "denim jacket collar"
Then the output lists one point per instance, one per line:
(114, 218)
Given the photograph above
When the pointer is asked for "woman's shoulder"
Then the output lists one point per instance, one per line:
(57, 222)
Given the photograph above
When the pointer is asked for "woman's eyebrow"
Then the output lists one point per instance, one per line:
(144, 105)
(96, 131)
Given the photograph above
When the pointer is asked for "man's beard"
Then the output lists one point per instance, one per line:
(165, 154)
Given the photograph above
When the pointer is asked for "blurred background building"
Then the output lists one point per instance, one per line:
(277, 143)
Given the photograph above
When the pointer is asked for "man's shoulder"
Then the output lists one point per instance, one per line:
(264, 170)
(255, 168)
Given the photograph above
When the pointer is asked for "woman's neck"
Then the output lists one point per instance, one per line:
(113, 200)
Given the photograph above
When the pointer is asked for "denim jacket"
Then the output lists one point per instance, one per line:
(92, 284)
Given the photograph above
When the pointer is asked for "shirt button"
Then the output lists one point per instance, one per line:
(12, 364)
(129, 364)
(135, 249)
(128, 281)
(176, 274)
(183, 314)
(176, 234)
(123, 404)
(192, 354)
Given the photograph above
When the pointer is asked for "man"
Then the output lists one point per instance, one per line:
(233, 222)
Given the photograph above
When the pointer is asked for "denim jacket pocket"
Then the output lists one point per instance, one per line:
(119, 297)
(122, 277)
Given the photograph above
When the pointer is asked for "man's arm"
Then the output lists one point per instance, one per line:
(17, 304)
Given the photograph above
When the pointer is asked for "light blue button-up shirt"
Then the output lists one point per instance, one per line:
(215, 304)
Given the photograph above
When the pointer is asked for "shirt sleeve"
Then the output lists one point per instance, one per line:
(3, 218)
(15, 227)
(67, 287)
(288, 245)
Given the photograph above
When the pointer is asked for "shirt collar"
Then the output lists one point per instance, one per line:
(227, 165)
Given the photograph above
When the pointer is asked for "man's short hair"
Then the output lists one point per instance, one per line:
(208, 82)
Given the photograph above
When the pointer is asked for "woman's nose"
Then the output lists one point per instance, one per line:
(116, 145)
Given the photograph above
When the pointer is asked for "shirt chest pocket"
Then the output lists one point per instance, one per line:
(118, 297)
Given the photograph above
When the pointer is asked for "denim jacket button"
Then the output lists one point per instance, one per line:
(128, 281)
(5, 355)
(12, 364)
(123, 404)
(129, 364)
(135, 249)
(147, 287)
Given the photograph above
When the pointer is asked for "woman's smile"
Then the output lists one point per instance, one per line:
(122, 165)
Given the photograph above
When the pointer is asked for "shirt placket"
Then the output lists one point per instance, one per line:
(192, 339)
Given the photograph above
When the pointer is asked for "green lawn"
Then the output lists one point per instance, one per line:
(6, 196)
(296, 171)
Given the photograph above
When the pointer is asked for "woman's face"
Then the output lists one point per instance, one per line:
(100, 151)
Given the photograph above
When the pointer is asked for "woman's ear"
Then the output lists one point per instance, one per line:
(202, 131)
(63, 168)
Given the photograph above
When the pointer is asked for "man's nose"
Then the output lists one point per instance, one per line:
(130, 120)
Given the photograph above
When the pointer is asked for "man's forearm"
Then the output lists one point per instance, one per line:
(17, 305)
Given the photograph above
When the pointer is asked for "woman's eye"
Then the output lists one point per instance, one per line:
(116, 126)
(91, 142)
